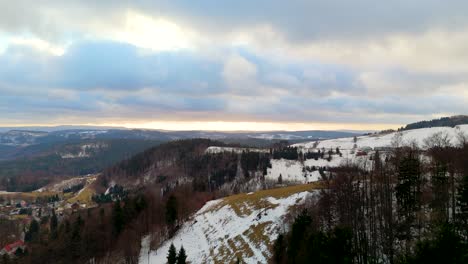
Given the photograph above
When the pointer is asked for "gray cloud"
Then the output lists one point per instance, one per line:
(322, 81)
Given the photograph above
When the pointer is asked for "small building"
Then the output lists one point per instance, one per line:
(75, 207)
(11, 249)
(361, 153)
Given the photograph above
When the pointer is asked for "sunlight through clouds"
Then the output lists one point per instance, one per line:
(154, 34)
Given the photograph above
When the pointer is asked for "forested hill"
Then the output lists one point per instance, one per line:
(187, 162)
(441, 122)
(175, 160)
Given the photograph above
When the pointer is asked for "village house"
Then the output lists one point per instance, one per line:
(11, 249)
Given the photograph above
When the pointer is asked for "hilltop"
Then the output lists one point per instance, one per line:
(451, 121)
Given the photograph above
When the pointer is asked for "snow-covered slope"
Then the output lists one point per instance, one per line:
(214, 150)
(240, 227)
(359, 151)
(416, 135)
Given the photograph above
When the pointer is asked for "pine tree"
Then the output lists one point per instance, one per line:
(181, 257)
(33, 231)
(171, 210)
(408, 193)
(172, 255)
(278, 249)
(117, 219)
(462, 199)
(53, 225)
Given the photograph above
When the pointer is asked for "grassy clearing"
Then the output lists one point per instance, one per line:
(85, 196)
(243, 203)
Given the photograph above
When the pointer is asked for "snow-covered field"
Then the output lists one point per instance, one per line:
(291, 171)
(214, 150)
(415, 135)
(234, 227)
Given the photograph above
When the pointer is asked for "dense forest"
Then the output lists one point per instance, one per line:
(411, 207)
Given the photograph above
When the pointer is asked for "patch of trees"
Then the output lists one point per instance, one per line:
(176, 258)
(289, 153)
(307, 243)
(74, 188)
(254, 161)
(114, 193)
(47, 199)
(441, 122)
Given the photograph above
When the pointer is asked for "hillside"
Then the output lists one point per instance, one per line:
(242, 226)
(441, 122)
(76, 158)
(24, 137)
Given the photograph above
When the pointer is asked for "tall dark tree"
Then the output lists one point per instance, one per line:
(171, 210)
(462, 200)
(182, 256)
(279, 249)
(408, 193)
(117, 219)
(33, 233)
(172, 255)
(53, 225)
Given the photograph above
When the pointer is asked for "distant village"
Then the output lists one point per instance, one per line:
(23, 208)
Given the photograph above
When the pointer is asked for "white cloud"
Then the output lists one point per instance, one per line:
(37, 44)
(157, 34)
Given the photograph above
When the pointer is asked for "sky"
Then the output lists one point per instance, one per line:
(232, 65)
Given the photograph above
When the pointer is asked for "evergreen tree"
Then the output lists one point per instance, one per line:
(408, 192)
(53, 225)
(300, 225)
(171, 210)
(279, 249)
(75, 242)
(462, 199)
(446, 247)
(117, 219)
(440, 185)
(172, 255)
(33, 231)
(181, 257)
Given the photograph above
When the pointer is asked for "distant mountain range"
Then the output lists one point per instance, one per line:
(33, 135)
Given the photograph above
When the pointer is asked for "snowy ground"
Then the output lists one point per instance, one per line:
(290, 171)
(221, 232)
(214, 150)
(415, 135)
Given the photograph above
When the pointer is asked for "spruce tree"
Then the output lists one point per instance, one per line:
(53, 225)
(181, 257)
(117, 219)
(171, 210)
(278, 249)
(462, 199)
(172, 255)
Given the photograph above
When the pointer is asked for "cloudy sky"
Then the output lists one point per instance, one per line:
(232, 65)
